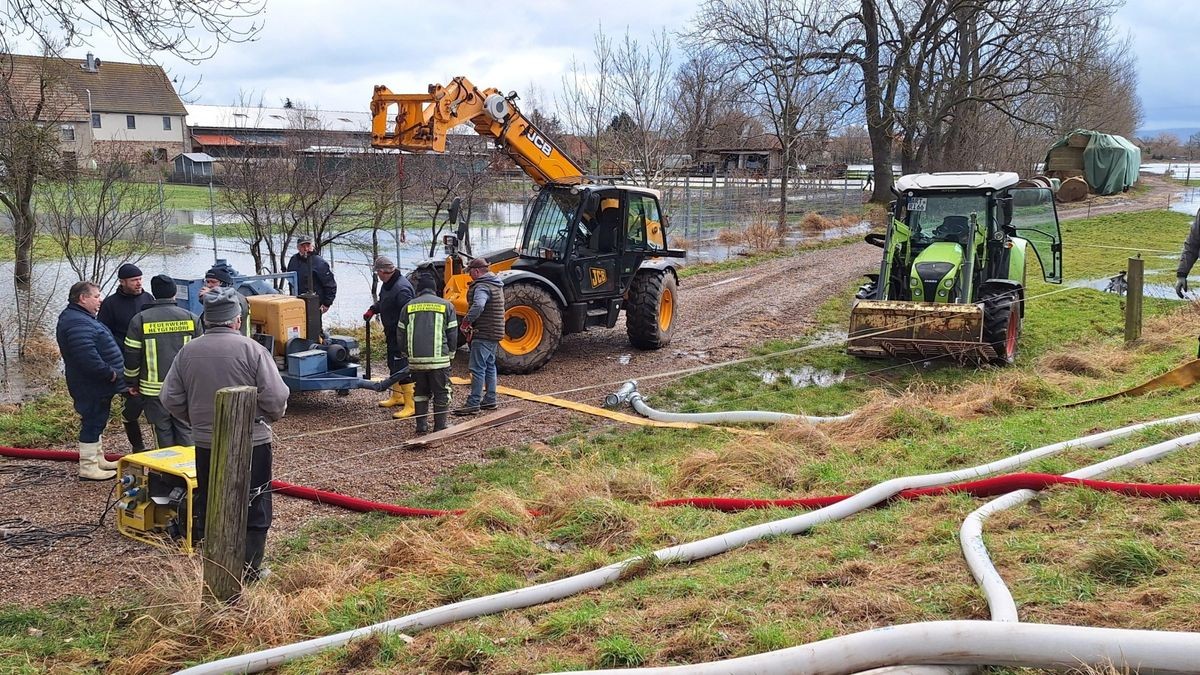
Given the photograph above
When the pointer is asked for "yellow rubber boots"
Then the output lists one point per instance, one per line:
(410, 406)
(395, 399)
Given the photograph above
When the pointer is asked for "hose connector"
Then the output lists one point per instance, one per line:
(622, 395)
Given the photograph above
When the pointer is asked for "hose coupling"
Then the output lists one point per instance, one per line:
(622, 395)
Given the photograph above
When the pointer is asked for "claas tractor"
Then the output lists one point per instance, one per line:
(952, 282)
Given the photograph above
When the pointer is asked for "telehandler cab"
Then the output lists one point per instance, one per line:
(952, 279)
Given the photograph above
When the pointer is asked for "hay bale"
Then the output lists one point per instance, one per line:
(1078, 141)
(1072, 190)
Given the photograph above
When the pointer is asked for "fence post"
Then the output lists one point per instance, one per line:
(1133, 300)
(228, 492)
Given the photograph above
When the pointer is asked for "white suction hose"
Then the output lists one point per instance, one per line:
(1028, 645)
(628, 393)
(562, 588)
(999, 599)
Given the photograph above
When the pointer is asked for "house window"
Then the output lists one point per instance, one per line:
(67, 131)
(95, 120)
(166, 123)
(130, 122)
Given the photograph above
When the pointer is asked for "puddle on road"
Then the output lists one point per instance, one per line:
(624, 359)
(804, 376)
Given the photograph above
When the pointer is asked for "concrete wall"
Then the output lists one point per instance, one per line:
(148, 128)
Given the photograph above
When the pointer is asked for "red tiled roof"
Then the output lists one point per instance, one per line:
(115, 87)
(215, 139)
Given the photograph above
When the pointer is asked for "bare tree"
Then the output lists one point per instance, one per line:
(585, 101)
(189, 29)
(34, 105)
(706, 107)
(760, 40)
(463, 171)
(641, 83)
(104, 220)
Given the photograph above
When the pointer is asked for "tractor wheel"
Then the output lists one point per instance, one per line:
(650, 314)
(1002, 325)
(532, 329)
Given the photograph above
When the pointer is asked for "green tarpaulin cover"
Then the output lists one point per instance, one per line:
(1110, 163)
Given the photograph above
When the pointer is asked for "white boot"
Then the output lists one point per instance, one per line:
(104, 463)
(89, 463)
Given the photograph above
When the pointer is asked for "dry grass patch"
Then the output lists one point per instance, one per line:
(737, 467)
(886, 416)
(1095, 361)
(1172, 330)
(412, 546)
(498, 511)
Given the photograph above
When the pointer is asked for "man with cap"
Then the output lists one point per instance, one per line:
(220, 358)
(92, 364)
(154, 338)
(220, 277)
(312, 273)
(428, 335)
(394, 292)
(484, 324)
(118, 310)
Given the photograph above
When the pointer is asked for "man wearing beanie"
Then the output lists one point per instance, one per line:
(220, 358)
(118, 310)
(394, 293)
(220, 277)
(312, 272)
(92, 364)
(154, 338)
(428, 334)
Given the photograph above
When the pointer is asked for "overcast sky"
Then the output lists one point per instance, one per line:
(330, 55)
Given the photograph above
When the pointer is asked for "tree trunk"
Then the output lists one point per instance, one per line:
(879, 127)
(24, 227)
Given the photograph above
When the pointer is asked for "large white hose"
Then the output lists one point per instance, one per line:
(999, 599)
(629, 393)
(562, 588)
(1028, 645)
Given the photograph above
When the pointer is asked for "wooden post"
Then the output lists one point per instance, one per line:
(1133, 300)
(228, 492)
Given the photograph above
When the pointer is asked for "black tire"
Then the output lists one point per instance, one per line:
(650, 314)
(528, 307)
(1002, 325)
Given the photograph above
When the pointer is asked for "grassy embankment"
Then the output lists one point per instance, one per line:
(1074, 557)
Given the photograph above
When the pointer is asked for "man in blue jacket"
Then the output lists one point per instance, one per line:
(93, 365)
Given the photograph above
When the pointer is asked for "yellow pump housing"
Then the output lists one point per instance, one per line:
(154, 497)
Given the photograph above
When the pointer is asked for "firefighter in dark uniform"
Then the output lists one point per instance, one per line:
(394, 293)
(155, 336)
(428, 335)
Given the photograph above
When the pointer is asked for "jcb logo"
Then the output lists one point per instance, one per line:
(599, 276)
(539, 141)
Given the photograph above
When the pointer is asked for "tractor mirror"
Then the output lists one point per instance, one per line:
(1006, 210)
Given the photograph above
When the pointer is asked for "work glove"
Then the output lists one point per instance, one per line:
(369, 314)
(1181, 286)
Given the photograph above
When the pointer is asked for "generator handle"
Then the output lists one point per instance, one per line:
(368, 367)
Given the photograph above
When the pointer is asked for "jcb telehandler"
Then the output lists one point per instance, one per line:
(952, 279)
(588, 249)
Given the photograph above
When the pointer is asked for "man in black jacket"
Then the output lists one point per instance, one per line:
(484, 323)
(92, 363)
(118, 310)
(394, 293)
(312, 273)
(1191, 250)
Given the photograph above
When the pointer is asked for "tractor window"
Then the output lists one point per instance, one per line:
(944, 217)
(548, 228)
(643, 229)
(1036, 220)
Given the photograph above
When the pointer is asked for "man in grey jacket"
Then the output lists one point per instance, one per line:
(220, 358)
(1191, 250)
(484, 327)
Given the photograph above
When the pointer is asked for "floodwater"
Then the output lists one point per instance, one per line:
(804, 376)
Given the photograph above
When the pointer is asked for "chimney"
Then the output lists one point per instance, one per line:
(91, 65)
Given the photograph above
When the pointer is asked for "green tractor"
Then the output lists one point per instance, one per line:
(952, 279)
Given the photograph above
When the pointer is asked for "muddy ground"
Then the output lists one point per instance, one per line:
(348, 445)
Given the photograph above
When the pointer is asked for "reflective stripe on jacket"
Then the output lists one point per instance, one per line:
(155, 336)
(428, 332)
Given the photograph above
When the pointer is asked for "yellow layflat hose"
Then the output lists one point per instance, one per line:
(1183, 376)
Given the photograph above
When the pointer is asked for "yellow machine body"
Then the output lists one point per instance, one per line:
(280, 316)
(891, 328)
(154, 497)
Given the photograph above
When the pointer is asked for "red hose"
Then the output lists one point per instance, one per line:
(987, 487)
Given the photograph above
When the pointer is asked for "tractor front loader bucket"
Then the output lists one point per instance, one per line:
(894, 328)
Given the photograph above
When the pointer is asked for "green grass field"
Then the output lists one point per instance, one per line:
(1075, 556)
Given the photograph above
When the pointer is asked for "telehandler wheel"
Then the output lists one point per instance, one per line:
(650, 314)
(532, 329)
(1002, 325)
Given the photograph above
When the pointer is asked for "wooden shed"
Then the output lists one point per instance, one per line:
(194, 167)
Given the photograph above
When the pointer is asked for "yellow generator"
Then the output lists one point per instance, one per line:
(154, 497)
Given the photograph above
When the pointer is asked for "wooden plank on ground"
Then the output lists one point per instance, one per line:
(474, 424)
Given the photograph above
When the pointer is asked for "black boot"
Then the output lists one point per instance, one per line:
(133, 431)
(422, 416)
(439, 416)
(256, 545)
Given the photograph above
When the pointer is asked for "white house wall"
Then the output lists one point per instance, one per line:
(149, 129)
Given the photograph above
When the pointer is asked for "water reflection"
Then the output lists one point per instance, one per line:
(804, 376)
